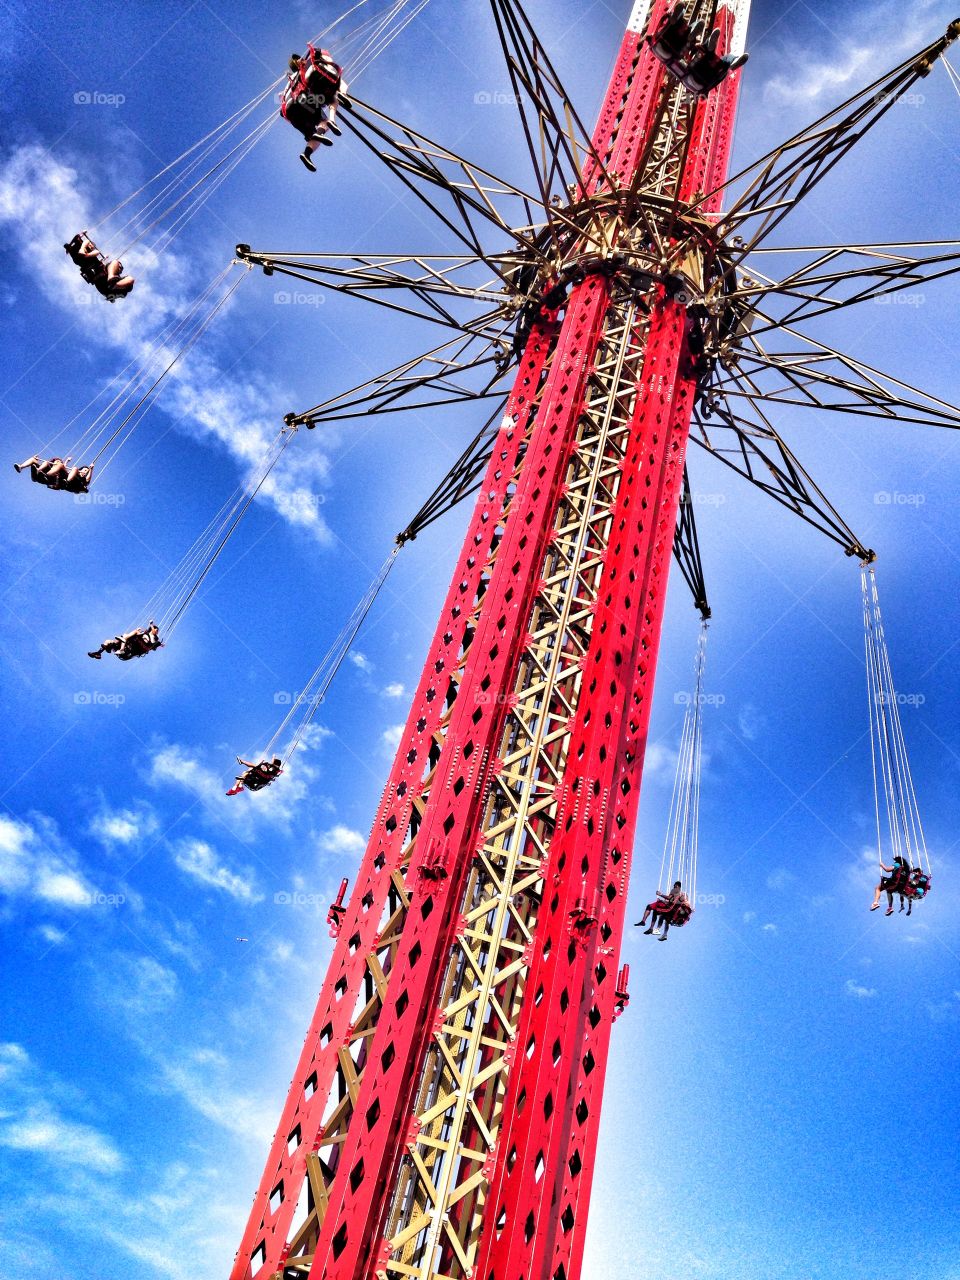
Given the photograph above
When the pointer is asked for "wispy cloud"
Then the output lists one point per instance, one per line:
(341, 839)
(32, 1120)
(127, 826)
(36, 864)
(202, 863)
(394, 690)
(853, 988)
(390, 738)
(846, 59)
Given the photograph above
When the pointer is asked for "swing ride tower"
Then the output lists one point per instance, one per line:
(443, 1117)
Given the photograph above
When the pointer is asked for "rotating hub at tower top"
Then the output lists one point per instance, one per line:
(645, 246)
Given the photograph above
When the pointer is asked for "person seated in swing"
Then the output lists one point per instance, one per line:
(678, 915)
(314, 90)
(661, 908)
(106, 275)
(132, 644)
(672, 38)
(46, 472)
(916, 888)
(891, 880)
(256, 776)
(77, 480)
(707, 71)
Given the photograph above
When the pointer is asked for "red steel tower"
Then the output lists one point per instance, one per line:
(443, 1117)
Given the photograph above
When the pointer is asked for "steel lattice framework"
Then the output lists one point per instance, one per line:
(443, 1116)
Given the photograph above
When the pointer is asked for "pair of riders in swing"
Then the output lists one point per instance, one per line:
(105, 274)
(910, 884)
(688, 57)
(57, 473)
(315, 88)
(132, 644)
(673, 908)
(256, 776)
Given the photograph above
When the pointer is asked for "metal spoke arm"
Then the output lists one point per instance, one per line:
(475, 197)
(416, 285)
(755, 451)
(457, 372)
(557, 139)
(686, 550)
(769, 188)
(462, 480)
(814, 375)
(832, 277)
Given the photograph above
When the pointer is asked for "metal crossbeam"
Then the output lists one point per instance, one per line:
(772, 186)
(757, 452)
(812, 374)
(475, 197)
(421, 285)
(458, 371)
(837, 276)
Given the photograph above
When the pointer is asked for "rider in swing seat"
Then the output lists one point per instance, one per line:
(56, 473)
(256, 776)
(132, 644)
(661, 908)
(314, 90)
(891, 880)
(106, 275)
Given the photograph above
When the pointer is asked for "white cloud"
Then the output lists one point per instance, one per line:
(361, 661)
(124, 826)
(390, 738)
(768, 928)
(32, 1121)
(854, 988)
(885, 33)
(198, 860)
(42, 205)
(781, 879)
(659, 763)
(341, 839)
(52, 935)
(751, 721)
(749, 917)
(394, 690)
(35, 863)
(136, 988)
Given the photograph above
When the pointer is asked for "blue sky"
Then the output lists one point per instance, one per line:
(782, 1096)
